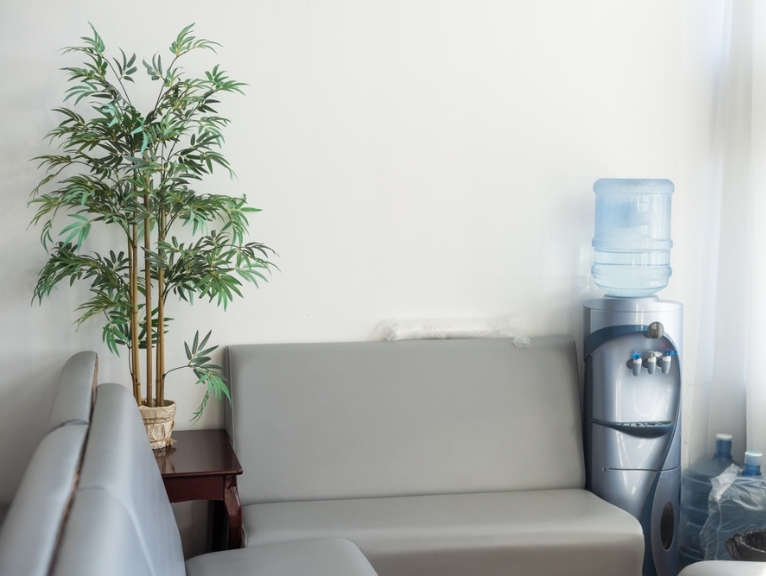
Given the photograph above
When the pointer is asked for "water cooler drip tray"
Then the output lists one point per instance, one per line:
(633, 446)
(639, 429)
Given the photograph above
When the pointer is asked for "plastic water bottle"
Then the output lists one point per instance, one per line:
(752, 463)
(632, 240)
(737, 505)
(695, 490)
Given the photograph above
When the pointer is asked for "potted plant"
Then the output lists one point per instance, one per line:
(133, 175)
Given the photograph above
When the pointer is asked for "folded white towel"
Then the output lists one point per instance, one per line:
(501, 327)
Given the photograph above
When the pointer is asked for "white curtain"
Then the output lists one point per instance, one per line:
(729, 392)
(756, 378)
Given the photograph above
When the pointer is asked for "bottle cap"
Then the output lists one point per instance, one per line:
(753, 458)
(724, 437)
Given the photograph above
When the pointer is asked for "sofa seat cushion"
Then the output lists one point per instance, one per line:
(321, 557)
(724, 568)
(547, 532)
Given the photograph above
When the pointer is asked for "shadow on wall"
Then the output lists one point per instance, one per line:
(25, 400)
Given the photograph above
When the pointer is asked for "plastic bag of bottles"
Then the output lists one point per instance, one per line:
(737, 505)
(695, 493)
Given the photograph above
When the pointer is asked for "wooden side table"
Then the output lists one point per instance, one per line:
(202, 465)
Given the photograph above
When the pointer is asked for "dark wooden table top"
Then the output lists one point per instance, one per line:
(198, 453)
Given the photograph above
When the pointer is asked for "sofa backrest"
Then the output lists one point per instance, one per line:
(73, 399)
(119, 474)
(100, 538)
(30, 532)
(374, 419)
(30, 529)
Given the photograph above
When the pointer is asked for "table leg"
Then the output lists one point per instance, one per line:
(233, 510)
(218, 525)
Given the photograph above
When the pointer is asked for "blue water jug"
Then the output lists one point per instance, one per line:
(737, 505)
(695, 490)
(632, 240)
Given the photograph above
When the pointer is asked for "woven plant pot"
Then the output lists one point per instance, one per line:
(159, 421)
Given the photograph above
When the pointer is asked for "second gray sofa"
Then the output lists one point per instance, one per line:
(435, 457)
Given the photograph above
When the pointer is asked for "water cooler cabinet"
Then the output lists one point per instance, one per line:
(632, 409)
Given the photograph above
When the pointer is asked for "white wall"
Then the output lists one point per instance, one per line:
(413, 159)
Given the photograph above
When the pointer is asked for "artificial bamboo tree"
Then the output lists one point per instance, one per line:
(133, 174)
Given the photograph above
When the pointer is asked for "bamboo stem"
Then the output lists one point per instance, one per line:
(160, 338)
(135, 369)
(161, 315)
(148, 309)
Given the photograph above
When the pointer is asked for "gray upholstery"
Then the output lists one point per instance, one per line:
(549, 532)
(31, 525)
(434, 457)
(326, 557)
(29, 535)
(118, 460)
(725, 568)
(369, 419)
(470, 450)
(100, 539)
(121, 523)
(73, 398)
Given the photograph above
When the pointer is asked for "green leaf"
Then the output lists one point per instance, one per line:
(79, 230)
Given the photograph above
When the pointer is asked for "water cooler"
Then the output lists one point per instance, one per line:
(632, 347)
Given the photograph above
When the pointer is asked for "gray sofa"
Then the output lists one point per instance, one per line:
(92, 502)
(72, 400)
(448, 457)
(31, 528)
(434, 457)
(121, 523)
